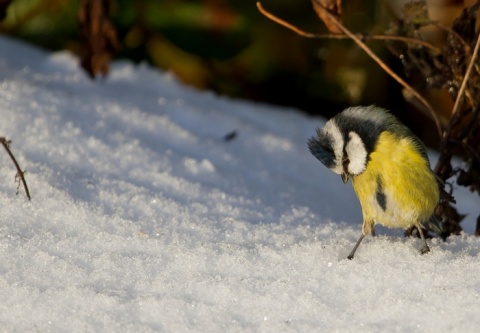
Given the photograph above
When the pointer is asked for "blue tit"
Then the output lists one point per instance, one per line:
(387, 164)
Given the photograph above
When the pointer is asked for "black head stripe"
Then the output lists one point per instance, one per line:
(321, 148)
(368, 130)
(380, 195)
(368, 122)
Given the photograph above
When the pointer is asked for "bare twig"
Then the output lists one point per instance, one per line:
(406, 40)
(442, 168)
(387, 69)
(291, 26)
(466, 77)
(20, 173)
(337, 36)
(319, 7)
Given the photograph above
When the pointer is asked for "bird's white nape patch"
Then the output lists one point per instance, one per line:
(337, 145)
(357, 154)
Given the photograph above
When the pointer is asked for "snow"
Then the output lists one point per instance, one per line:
(145, 218)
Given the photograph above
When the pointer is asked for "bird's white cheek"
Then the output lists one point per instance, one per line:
(357, 154)
(337, 145)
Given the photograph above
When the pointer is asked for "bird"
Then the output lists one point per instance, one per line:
(388, 167)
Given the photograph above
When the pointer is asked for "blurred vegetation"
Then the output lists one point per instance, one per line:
(229, 47)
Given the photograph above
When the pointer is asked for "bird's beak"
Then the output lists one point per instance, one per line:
(345, 174)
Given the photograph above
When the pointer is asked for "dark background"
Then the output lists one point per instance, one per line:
(227, 46)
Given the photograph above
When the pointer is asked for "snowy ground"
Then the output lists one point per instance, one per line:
(144, 218)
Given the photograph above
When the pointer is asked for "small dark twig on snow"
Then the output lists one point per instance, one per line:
(20, 173)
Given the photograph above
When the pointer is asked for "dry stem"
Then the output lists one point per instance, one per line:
(466, 77)
(20, 173)
(367, 50)
(441, 168)
(337, 36)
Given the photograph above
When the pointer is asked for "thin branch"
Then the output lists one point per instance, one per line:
(442, 166)
(372, 55)
(291, 26)
(20, 173)
(342, 36)
(456, 106)
(387, 69)
(406, 40)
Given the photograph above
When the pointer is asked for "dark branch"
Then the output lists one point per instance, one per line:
(20, 173)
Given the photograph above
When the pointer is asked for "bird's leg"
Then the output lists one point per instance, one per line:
(425, 248)
(367, 227)
(350, 256)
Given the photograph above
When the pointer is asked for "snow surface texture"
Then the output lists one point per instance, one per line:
(144, 218)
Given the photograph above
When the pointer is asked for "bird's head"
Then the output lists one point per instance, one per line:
(345, 142)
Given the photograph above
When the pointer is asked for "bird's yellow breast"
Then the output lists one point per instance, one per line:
(397, 188)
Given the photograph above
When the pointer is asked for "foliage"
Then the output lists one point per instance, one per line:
(221, 45)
